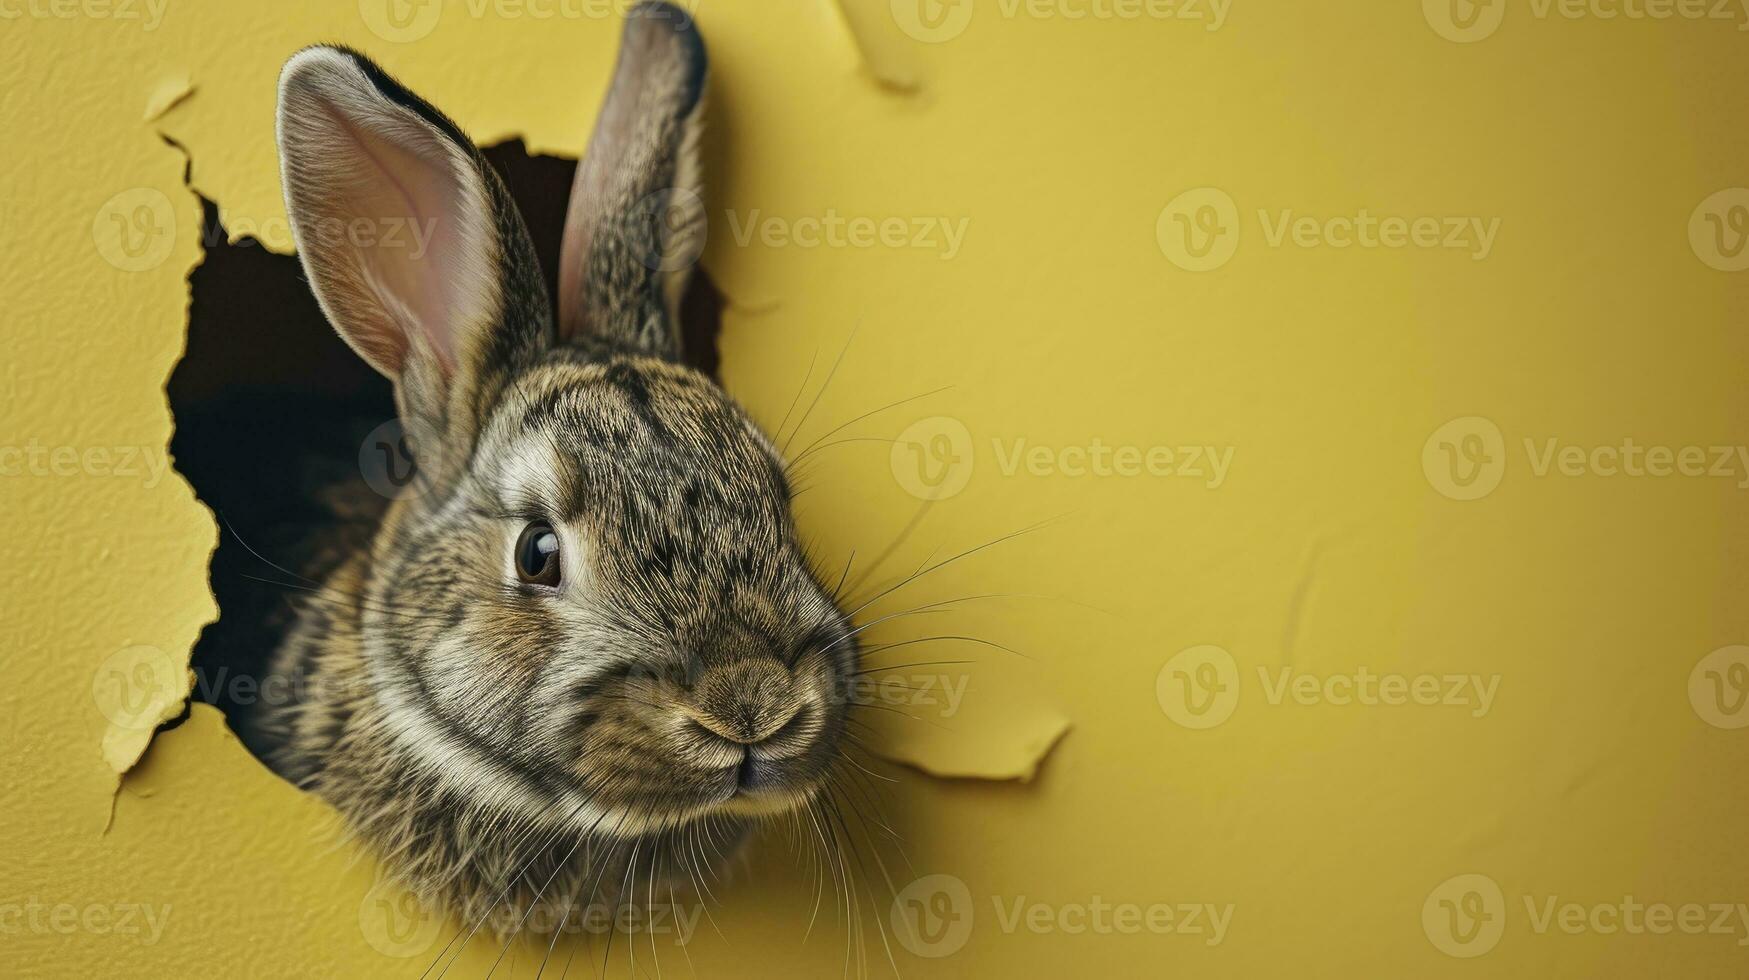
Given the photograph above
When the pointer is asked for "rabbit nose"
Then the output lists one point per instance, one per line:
(747, 703)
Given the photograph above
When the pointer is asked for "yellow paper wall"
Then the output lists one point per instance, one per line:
(1605, 770)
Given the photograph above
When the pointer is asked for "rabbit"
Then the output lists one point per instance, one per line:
(591, 648)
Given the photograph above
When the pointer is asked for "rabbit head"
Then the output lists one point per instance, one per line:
(596, 605)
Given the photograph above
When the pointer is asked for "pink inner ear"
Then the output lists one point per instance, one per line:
(392, 219)
(401, 231)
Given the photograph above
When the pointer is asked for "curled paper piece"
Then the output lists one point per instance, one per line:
(166, 95)
(960, 722)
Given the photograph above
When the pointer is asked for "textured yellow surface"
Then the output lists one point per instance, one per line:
(1223, 636)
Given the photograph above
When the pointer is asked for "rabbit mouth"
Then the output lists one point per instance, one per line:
(754, 778)
(693, 778)
(770, 797)
(766, 796)
(759, 784)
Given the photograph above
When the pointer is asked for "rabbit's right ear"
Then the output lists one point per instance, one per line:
(410, 242)
(636, 221)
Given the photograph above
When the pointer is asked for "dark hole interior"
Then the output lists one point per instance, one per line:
(270, 406)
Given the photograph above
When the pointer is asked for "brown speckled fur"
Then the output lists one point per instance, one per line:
(492, 741)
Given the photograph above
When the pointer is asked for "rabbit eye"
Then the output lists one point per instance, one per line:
(537, 554)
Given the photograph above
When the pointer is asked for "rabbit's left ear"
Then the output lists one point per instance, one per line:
(411, 244)
(636, 221)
